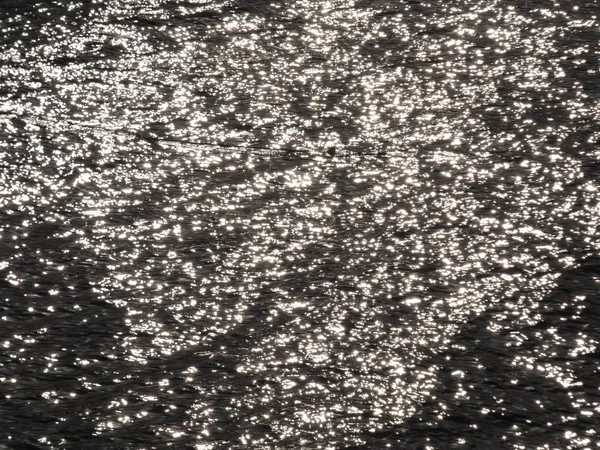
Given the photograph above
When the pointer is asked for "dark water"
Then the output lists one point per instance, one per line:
(299, 224)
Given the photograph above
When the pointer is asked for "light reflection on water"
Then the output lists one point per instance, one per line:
(186, 261)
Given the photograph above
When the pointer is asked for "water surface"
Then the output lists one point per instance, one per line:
(299, 224)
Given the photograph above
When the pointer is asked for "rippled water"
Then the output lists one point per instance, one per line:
(299, 224)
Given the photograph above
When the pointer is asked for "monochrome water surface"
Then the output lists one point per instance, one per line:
(299, 224)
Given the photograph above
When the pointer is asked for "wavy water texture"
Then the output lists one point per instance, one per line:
(299, 224)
